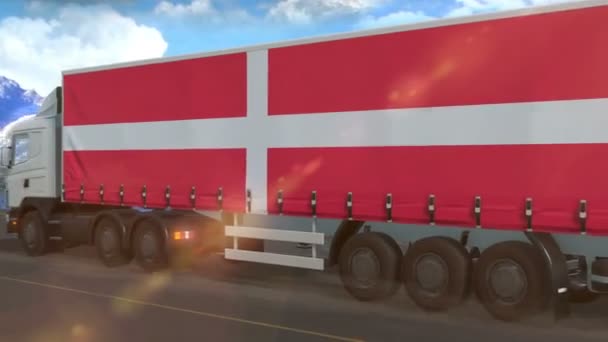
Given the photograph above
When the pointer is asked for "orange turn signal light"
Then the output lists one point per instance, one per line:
(182, 235)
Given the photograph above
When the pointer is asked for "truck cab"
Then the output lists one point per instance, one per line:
(29, 154)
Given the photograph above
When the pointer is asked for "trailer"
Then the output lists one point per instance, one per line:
(448, 157)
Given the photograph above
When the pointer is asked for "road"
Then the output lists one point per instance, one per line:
(71, 297)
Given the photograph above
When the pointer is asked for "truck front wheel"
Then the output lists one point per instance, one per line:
(150, 249)
(33, 235)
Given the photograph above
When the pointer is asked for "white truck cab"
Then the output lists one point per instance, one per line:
(29, 154)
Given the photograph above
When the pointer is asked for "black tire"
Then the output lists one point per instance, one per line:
(382, 254)
(149, 248)
(436, 272)
(33, 235)
(108, 238)
(524, 266)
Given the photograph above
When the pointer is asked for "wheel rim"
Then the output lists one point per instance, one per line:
(108, 242)
(508, 282)
(365, 267)
(29, 234)
(431, 273)
(149, 247)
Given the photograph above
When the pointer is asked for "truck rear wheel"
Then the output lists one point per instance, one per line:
(511, 280)
(33, 236)
(149, 247)
(436, 273)
(369, 266)
(108, 243)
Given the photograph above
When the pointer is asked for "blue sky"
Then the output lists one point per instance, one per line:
(39, 38)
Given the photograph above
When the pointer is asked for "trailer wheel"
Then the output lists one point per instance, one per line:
(369, 266)
(149, 248)
(436, 273)
(108, 244)
(511, 280)
(33, 236)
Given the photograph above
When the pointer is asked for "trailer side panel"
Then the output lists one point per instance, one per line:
(504, 109)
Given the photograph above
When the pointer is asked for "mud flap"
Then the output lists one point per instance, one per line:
(346, 229)
(557, 271)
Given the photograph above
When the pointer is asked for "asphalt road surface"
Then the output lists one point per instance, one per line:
(71, 297)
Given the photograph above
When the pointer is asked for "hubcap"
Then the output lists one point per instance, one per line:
(431, 273)
(108, 242)
(365, 267)
(29, 234)
(148, 245)
(508, 281)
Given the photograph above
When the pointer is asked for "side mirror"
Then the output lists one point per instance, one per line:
(5, 156)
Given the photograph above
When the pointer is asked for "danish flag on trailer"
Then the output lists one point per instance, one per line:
(503, 109)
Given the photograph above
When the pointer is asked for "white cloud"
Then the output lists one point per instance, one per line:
(6, 129)
(465, 7)
(204, 8)
(305, 11)
(395, 18)
(195, 7)
(468, 7)
(34, 51)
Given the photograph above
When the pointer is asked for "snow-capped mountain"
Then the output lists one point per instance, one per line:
(16, 102)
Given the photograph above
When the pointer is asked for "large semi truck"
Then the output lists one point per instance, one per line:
(453, 156)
